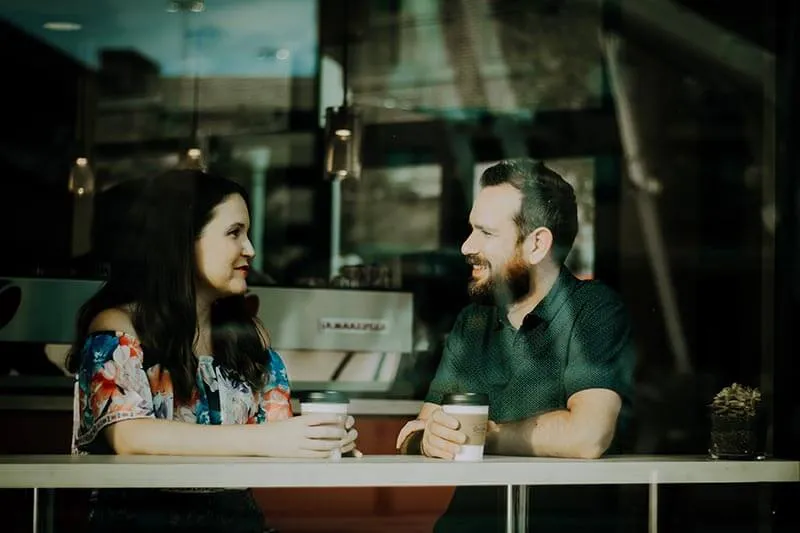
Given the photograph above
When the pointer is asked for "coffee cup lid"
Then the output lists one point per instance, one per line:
(325, 396)
(465, 398)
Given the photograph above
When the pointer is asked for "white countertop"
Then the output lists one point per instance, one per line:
(64, 471)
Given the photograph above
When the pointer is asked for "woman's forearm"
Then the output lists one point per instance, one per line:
(147, 436)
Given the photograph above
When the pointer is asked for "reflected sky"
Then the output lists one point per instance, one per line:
(261, 38)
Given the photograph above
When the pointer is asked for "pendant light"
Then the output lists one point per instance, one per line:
(81, 177)
(343, 127)
(192, 156)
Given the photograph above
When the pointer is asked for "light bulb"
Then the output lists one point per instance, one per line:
(81, 178)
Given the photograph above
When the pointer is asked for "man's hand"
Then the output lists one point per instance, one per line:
(441, 437)
(433, 433)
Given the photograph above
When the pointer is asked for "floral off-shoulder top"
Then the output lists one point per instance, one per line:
(113, 385)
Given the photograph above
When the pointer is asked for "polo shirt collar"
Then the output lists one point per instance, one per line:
(545, 310)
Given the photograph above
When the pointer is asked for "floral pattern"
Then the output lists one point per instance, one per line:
(112, 385)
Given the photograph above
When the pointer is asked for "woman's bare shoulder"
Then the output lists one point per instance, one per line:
(114, 319)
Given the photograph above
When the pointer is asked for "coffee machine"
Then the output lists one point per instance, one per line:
(344, 339)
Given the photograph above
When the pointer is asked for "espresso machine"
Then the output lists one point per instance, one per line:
(337, 338)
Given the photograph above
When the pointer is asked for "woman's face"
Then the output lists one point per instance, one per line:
(223, 249)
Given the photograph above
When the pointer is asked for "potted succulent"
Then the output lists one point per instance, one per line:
(734, 423)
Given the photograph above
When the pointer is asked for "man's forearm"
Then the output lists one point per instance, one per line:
(550, 434)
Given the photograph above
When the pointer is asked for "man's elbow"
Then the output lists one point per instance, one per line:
(593, 448)
(590, 451)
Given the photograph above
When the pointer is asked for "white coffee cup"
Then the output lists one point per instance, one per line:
(472, 412)
(326, 402)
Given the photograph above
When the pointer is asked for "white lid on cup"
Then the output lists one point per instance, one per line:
(326, 396)
(466, 399)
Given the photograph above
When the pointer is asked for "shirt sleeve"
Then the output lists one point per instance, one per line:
(112, 386)
(276, 395)
(446, 379)
(601, 352)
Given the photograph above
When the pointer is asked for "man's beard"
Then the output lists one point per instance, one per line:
(509, 285)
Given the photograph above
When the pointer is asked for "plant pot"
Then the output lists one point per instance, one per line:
(734, 437)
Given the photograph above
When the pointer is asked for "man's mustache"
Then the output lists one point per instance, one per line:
(476, 260)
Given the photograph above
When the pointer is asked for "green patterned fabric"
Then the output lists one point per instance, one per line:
(578, 337)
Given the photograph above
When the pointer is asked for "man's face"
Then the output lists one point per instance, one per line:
(499, 271)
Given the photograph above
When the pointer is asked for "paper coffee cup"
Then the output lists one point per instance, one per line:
(326, 402)
(472, 412)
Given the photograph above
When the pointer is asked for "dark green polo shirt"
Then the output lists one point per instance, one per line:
(578, 337)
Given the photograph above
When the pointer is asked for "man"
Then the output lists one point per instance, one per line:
(553, 353)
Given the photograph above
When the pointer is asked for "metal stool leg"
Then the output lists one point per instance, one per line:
(516, 508)
(652, 508)
(35, 516)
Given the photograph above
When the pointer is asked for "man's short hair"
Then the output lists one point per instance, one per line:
(547, 200)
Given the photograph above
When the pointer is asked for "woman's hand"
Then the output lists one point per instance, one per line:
(349, 442)
(306, 436)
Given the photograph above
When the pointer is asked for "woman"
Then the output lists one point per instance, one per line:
(170, 362)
